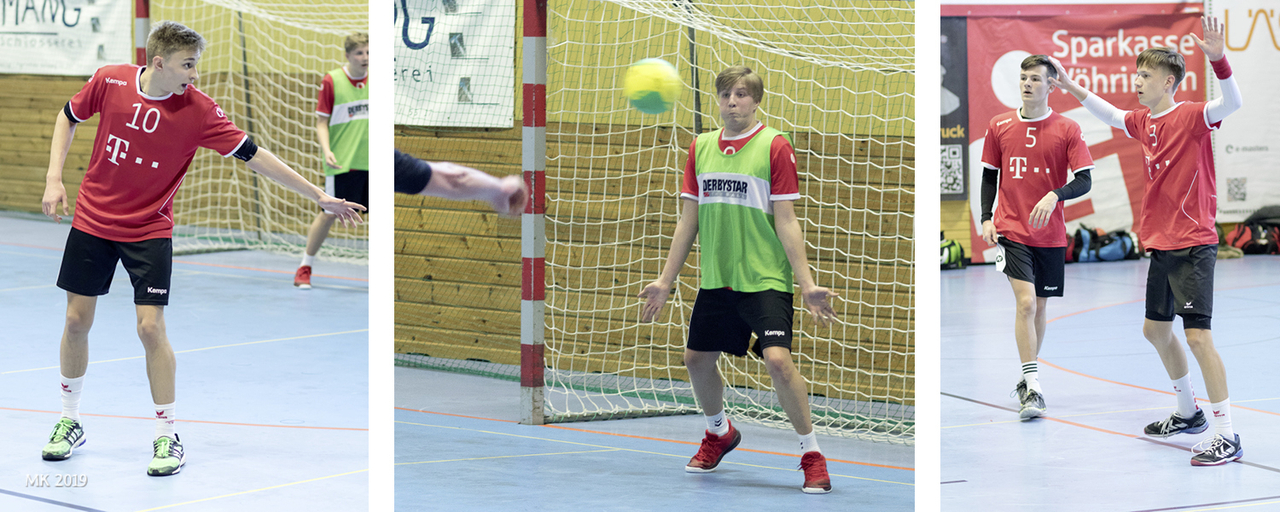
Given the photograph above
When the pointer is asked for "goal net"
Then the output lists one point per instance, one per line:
(263, 62)
(838, 78)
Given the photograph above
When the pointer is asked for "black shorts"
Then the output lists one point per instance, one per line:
(1041, 266)
(89, 263)
(723, 320)
(1181, 282)
(351, 186)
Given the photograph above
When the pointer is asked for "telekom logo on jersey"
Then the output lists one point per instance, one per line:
(1018, 165)
(119, 148)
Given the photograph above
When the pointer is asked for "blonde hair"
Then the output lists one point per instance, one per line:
(356, 40)
(754, 84)
(169, 37)
(1164, 59)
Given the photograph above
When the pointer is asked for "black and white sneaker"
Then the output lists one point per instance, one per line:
(1032, 405)
(1217, 451)
(1020, 392)
(1175, 424)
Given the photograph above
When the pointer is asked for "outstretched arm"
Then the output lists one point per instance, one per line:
(814, 296)
(1213, 46)
(655, 293)
(1099, 107)
(507, 195)
(265, 163)
(54, 192)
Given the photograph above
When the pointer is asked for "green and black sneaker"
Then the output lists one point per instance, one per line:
(67, 435)
(166, 456)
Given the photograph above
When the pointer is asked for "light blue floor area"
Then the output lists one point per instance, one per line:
(458, 447)
(272, 385)
(1102, 383)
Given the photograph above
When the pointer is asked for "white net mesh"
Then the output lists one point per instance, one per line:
(263, 63)
(838, 78)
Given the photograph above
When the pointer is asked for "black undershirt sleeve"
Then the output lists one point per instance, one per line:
(412, 175)
(989, 177)
(1076, 187)
(247, 150)
(66, 111)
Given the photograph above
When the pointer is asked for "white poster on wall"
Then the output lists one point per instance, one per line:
(455, 63)
(1247, 146)
(64, 37)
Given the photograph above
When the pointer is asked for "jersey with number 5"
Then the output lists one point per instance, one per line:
(141, 153)
(1034, 157)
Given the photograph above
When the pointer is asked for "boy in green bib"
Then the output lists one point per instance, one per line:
(342, 125)
(740, 185)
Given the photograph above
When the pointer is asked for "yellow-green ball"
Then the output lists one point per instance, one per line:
(652, 85)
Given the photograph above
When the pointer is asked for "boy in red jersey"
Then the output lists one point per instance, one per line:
(1036, 148)
(740, 185)
(152, 120)
(342, 126)
(1177, 227)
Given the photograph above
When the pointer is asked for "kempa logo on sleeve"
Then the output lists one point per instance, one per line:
(157, 291)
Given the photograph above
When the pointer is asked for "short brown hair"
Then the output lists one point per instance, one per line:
(169, 37)
(356, 40)
(727, 78)
(1165, 59)
(1040, 60)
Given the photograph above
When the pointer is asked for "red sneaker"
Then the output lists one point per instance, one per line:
(713, 449)
(302, 278)
(816, 480)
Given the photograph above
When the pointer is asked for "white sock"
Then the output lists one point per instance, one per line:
(1031, 375)
(809, 443)
(71, 397)
(307, 260)
(1222, 419)
(718, 424)
(1186, 396)
(164, 420)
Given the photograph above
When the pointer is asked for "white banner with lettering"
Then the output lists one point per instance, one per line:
(455, 63)
(1247, 146)
(64, 37)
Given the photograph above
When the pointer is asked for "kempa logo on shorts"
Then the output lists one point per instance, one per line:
(775, 333)
(158, 291)
(1050, 288)
(116, 81)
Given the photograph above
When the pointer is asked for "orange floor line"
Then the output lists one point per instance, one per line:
(652, 438)
(194, 421)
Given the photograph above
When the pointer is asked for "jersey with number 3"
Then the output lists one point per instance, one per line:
(141, 153)
(1180, 203)
(1034, 157)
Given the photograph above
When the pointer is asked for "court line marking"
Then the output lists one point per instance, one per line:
(1135, 386)
(1103, 413)
(255, 490)
(32, 255)
(614, 448)
(505, 457)
(199, 349)
(196, 263)
(1188, 507)
(1105, 431)
(51, 502)
(208, 422)
(27, 288)
(652, 438)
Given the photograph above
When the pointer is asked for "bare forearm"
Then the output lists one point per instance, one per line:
(793, 244)
(63, 132)
(266, 164)
(461, 183)
(681, 242)
(322, 133)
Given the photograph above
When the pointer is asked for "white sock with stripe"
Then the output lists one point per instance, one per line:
(1186, 396)
(1031, 375)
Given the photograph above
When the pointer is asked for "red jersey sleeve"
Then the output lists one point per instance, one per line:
(991, 156)
(784, 181)
(689, 187)
(1078, 156)
(324, 102)
(1133, 124)
(88, 101)
(219, 133)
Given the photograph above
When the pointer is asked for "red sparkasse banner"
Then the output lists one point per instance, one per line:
(1099, 49)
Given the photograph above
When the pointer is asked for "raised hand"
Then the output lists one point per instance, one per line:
(1214, 40)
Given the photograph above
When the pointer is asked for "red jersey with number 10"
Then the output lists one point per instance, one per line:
(1034, 157)
(1180, 203)
(141, 153)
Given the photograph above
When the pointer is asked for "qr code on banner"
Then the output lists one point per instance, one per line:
(952, 169)
(1236, 189)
